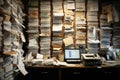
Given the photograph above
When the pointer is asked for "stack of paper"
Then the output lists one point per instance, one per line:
(57, 44)
(11, 36)
(57, 8)
(33, 45)
(45, 27)
(108, 9)
(2, 73)
(116, 36)
(33, 16)
(7, 36)
(1, 34)
(17, 37)
(33, 26)
(80, 37)
(106, 30)
(93, 39)
(80, 5)
(69, 11)
(104, 20)
(92, 23)
(80, 23)
(57, 27)
(105, 37)
(92, 12)
(7, 7)
(8, 68)
(33, 3)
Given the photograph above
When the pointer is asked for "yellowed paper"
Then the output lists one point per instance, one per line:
(68, 41)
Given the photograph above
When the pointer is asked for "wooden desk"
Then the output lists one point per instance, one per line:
(78, 72)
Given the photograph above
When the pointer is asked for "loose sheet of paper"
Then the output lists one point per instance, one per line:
(68, 41)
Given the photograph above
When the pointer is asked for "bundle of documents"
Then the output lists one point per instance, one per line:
(13, 28)
(57, 8)
(11, 37)
(45, 28)
(80, 29)
(45, 45)
(57, 44)
(33, 26)
(80, 37)
(1, 34)
(105, 36)
(7, 36)
(92, 23)
(80, 23)
(104, 20)
(92, 12)
(106, 30)
(93, 39)
(93, 50)
(33, 3)
(116, 36)
(80, 18)
(93, 46)
(2, 73)
(57, 27)
(80, 5)
(108, 9)
(69, 7)
(8, 68)
(33, 45)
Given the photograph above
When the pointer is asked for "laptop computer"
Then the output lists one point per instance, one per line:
(72, 56)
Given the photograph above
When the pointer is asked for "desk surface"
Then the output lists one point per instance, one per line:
(74, 66)
(108, 64)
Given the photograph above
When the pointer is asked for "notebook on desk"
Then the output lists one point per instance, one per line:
(72, 56)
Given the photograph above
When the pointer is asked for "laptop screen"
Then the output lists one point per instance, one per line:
(72, 55)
